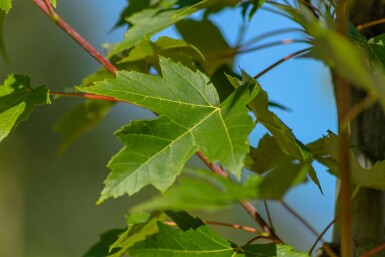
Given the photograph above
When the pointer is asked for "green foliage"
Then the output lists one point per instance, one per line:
(214, 192)
(17, 100)
(326, 152)
(5, 5)
(219, 130)
(80, 120)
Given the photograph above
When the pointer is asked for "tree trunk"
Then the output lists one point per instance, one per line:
(368, 135)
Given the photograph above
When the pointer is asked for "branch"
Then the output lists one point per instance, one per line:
(72, 33)
(343, 105)
(374, 251)
(112, 69)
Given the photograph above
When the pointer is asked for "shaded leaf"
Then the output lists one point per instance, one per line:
(326, 152)
(221, 83)
(214, 47)
(191, 118)
(140, 226)
(184, 220)
(102, 248)
(213, 192)
(80, 120)
(134, 6)
(17, 100)
(5, 5)
(266, 156)
(278, 181)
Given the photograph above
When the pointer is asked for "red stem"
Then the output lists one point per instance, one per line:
(85, 95)
(374, 251)
(72, 33)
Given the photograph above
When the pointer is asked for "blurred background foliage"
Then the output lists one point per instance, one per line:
(47, 204)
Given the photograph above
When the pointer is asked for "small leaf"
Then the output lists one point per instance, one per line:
(80, 120)
(5, 5)
(184, 220)
(191, 118)
(251, 7)
(325, 151)
(134, 6)
(140, 226)
(148, 22)
(214, 192)
(53, 2)
(177, 50)
(17, 100)
(102, 248)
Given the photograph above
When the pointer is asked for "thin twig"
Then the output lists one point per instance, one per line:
(370, 24)
(286, 58)
(374, 251)
(234, 226)
(319, 238)
(358, 108)
(262, 237)
(301, 219)
(112, 69)
(72, 33)
(269, 34)
(275, 43)
(268, 214)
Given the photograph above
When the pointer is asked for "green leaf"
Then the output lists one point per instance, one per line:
(148, 22)
(5, 5)
(286, 140)
(53, 2)
(177, 50)
(81, 120)
(214, 47)
(184, 220)
(278, 181)
(214, 192)
(134, 6)
(140, 226)
(102, 248)
(326, 152)
(251, 7)
(201, 241)
(377, 46)
(273, 250)
(191, 118)
(17, 100)
(266, 156)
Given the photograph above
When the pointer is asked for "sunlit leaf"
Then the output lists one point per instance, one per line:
(17, 100)
(148, 22)
(5, 5)
(191, 118)
(140, 226)
(214, 192)
(270, 250)
(53, 2)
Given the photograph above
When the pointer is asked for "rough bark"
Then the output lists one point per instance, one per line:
(368, 133)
